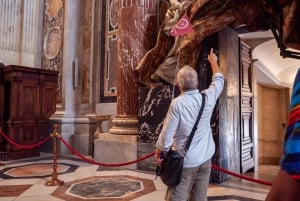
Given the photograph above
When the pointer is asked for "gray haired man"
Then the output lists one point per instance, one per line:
(177, 126)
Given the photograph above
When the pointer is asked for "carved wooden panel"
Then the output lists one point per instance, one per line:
(48, 104)
(247, 158)
(28, 91)
(29, 99)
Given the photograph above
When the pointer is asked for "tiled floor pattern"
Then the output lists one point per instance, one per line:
(25, 180)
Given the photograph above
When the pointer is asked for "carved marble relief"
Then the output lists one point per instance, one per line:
(53, 39)
(53, 7)
(52, 42)
(111, 51)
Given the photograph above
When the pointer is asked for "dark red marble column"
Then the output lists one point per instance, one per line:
(137, 25)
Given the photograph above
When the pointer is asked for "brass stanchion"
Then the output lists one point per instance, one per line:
(55, 181)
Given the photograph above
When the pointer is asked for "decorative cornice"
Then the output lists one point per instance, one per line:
(271, 75)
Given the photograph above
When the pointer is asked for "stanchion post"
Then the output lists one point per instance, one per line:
(1, 164)
(55, 181)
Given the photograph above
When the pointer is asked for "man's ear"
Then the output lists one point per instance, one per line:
(178, 85)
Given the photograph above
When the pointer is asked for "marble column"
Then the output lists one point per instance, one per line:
(137, 26)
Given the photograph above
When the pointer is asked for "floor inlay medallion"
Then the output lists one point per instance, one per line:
(110, 188)
(38, 170)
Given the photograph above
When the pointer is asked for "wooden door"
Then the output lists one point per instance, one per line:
(246, 105)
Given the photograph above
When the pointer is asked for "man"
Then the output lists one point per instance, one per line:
(178, 124)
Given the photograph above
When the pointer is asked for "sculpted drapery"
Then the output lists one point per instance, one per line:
(159, 65)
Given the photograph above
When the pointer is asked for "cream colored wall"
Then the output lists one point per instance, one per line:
(272, 114)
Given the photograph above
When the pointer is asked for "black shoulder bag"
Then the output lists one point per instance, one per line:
(171, 167)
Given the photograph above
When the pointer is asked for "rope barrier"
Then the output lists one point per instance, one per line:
(241, 176)
(102, 164)
(25, 146)
(126, 163)
(151, 154)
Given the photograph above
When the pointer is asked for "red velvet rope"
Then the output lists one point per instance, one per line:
(25, 146)
(102, 164)
(151, 154)
(127, 163)
(241, 176)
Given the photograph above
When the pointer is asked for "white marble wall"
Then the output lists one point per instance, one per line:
(9, 11)
(20, 28)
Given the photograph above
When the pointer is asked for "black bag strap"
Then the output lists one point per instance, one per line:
(187, 146)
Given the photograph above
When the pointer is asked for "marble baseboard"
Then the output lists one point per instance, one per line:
(83, 144)
(114, 149)
(148, 164)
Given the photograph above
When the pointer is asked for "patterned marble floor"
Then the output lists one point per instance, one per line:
(24, 180)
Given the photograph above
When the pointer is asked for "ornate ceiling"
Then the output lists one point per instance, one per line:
(274, 71)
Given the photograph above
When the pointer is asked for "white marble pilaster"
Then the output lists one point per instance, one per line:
(75, 128)
(70, 55)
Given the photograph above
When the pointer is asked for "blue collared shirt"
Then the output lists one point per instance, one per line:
(180, 120)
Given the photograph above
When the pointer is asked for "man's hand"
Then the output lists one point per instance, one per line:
(212, 57)
(157, 156)
(213, 60)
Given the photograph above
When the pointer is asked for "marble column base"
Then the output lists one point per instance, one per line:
(148, 164)
(124, 126)
(116, 149)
